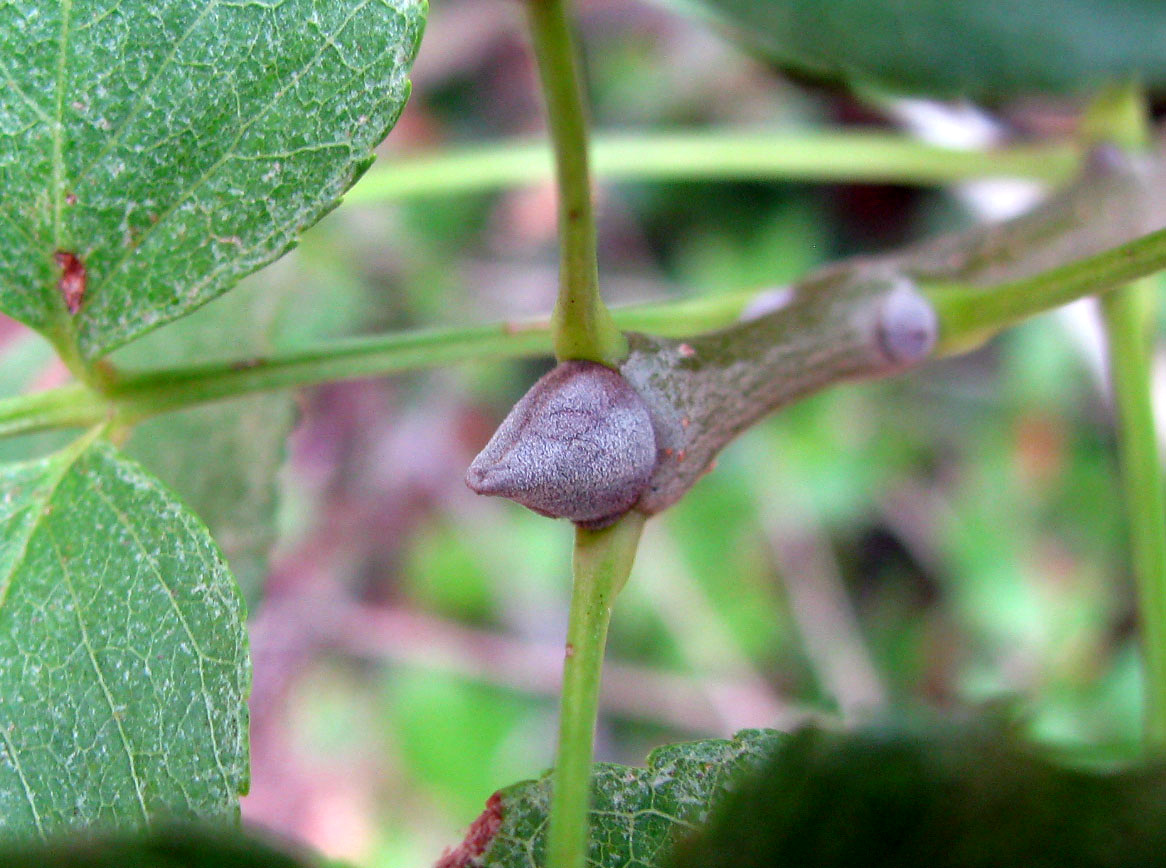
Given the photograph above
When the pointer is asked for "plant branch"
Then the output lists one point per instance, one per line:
(134, 396)
(1101, 232)
(603, 559)
(716, 155)
(877, 316)
(969, 314)
(789, 324)
(583, 327)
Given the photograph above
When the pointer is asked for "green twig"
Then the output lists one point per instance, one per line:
(1126, 314)
(72, 406)
(152, 392)
(135, 396)
(717, 155)
(583, 327)
(603, 559)
(969, 313)
(965, 313)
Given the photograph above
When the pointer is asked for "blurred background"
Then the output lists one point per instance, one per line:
(947, 539)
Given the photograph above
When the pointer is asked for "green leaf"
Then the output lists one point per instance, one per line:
(223, 459)
(123, 655)
(956, 797)
(152, 152)
(983, 49)
(168, 848)
(635, 812)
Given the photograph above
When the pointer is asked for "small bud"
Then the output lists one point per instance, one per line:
(578, 445)
(908, 325)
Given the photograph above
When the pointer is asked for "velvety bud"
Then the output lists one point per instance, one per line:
(908, 325)
(578, 445)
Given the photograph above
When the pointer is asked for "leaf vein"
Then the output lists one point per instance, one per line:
(11, 748)
(199, 655)
(145, 89)
(88, 646)
(58, 180)
(67, 462)
(228, 153)
(18, 226)
(24, 97)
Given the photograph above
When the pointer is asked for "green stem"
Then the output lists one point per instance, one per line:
(353, 358)
(965, 313)
(1119, 115)
(716, 155)
(583, 327)
(603, 559)
(72, 406)
(134, 396)
(1126, 315)
(152, 392)
(63, 336)
(968, 313)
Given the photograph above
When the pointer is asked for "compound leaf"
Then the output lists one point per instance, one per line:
(123, 656)
(152, 152)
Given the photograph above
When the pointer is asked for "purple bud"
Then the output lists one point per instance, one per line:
(578, 445)
(908, 326)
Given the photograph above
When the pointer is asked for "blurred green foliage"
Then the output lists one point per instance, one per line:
(983, 50)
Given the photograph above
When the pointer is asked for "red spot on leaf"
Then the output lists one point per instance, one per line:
(72, 282)
(477, 839)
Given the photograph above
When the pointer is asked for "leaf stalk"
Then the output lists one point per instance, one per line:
(137, 395)
(603, 559)
(969, 314)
